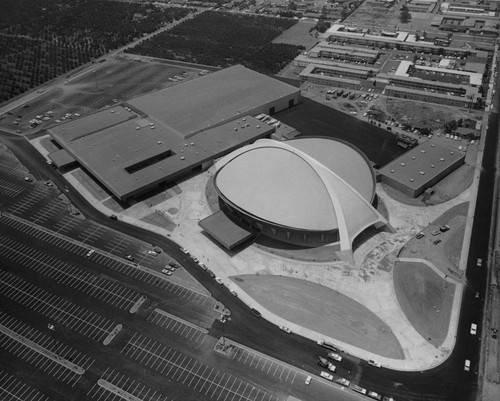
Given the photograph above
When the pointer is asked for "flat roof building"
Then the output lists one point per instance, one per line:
(421, 168)
(167, 134)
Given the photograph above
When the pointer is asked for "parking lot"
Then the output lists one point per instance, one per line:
(64, 273)
(206, 380)
(107, 260)
(75, 317)
(12, 388)
(263, 363)
(38, 349)
(7, 188)
(114, 385)
(178, 326)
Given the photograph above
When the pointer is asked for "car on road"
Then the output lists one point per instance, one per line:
(326, 375)
(473, 329)
(308, 380)
(477, 295)
(152, 253)
(256, 312)
(467, 365)
(359, 389)
(343, 382)
(218, 280)
(334, 356)
(285, 329)
(374, 395)
(129, 257)
(479, 262)
(374, 363)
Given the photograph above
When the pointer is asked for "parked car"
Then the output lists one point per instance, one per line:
(326, 375)
(308, 380)
(374, 363)
(343, 382)
(359, 389)
(334, 356)
(285, 329)
(374, 395)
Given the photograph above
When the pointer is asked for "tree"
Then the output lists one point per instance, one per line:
(405, 15)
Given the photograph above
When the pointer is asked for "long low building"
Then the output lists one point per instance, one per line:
(133, 148)
(421, 168)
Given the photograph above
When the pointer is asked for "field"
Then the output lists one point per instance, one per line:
(425, 298)
(323, 310)
(224, 39)
(42, 39)
(298, 35)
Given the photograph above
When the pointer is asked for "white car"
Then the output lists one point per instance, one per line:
(332, 367)
(167, 272)
(285, 329)
(184, 250)
(334, 356)
(89, 253)
(153, 253)
(479, 262)
(473, 329)
(50, 326)
(218, 279)
(374, 363)
(467, 365)
(326, 375)
(308, 380)
(343, 382)
(234, 293)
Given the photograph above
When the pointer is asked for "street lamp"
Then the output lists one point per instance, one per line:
(223, 320)
(95, 79)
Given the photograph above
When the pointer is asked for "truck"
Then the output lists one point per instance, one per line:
(323, 362)
(327, 345)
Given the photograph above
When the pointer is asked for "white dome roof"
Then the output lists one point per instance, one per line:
(316, 184)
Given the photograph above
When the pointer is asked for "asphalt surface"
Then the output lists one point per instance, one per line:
(311, 118)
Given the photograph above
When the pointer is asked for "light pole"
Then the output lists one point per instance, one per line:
(223, 320)
(95, 79)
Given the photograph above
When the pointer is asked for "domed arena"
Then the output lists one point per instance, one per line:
(311, 191)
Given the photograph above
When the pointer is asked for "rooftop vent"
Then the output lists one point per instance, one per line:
(422, 151)
(411, 180)
(392, 171)
(452, 153)
(403, 164)
(441, 159)
(432, 166)
(422, 172)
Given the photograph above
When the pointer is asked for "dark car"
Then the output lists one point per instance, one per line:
(256, 312)
(211, 273)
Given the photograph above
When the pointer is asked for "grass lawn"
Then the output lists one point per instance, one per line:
(324, 310)
(425, 298)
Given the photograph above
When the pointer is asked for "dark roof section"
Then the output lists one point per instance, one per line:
(224, 230)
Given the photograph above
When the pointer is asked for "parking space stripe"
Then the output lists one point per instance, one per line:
(185, 369)
(12, 388)
(75, 317)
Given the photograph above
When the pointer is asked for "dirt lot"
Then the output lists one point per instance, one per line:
(86, 93)
(377, 16)
(298, 35)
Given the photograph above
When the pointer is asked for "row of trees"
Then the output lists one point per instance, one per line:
(42, 39)
(224, 39)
